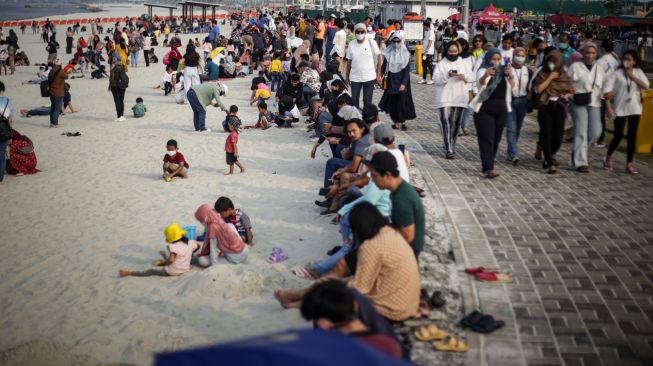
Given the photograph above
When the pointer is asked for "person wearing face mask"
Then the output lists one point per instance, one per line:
(625, 104)
(451, 76)
(587, 81)
(174, 163)
(361, 73)
(553, 88)
(565, 48)
(397, 98)
(609, 62)
(520, 76)
(492, 104)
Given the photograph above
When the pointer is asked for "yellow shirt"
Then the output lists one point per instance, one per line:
(275, 66)
(321, 29)
(262, 93)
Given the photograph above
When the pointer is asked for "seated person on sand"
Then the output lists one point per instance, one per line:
(342, 173)
(174, 162)
(220, 238)
(331, 306)
(384, 267)
(265, 117)
(287, 114)
(177, 261)
(237, 217)
(22, 158)
(45, 110)
(380, 198)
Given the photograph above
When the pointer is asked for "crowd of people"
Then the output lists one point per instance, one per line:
(317, 70)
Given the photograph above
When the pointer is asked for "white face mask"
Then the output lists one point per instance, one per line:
(360, 37)
(171, 153)
(628, 64)
(551, 66)
(519, 60)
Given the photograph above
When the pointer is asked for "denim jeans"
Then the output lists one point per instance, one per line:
(322, 118)
(199, 113)
(514, 124)
(465, 118)
(3, 161)
(276, 81)
(368, 91)
(332, 165)
(55, 109)
(133, 57)
(326, 265)
(308, 95)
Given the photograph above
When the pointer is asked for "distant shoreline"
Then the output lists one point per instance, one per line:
(29, 11)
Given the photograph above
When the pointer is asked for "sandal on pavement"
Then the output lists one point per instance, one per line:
(437, 300)
(630, 169)
(451, 344)
(429, 333)
(471, 318)
(277, 256)
(473, 271)
(487, 324)
(493, 277)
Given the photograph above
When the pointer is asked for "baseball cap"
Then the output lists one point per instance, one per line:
(383, 133)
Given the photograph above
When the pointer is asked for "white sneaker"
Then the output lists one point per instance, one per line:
(121, 119)
(421, 81)
(430, 82)
(204, 131)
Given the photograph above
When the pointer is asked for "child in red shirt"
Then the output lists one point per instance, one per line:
(174, 163)
(231, 148)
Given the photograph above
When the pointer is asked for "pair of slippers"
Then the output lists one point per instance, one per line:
(71, 134)
(489, 276)
(303, 273)
(445, 342)
(277, 256)
(481, 323)
(426, 303)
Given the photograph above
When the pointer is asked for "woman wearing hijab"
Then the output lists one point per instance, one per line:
(220, 238)
(466, 55)
(303, 49)
(451, 76)
(587, 81)
(553, 88)
(21, 159)
(173, 58)
(397, 99)
(491, 107)
(117, 88)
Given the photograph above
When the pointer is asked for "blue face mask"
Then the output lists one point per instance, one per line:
(490, 64)
(563, 46)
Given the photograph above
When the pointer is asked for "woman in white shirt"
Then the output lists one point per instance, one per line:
(624, 89)
(519, 104)
(492, 105)
(340, 44)
(587, 80)
(451, 76)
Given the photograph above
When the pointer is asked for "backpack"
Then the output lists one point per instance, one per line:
(5, 130)
(123, 81)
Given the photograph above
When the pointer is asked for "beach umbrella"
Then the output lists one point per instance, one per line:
(215, 52)
(288, 348)
(611, 21)
(563, 19)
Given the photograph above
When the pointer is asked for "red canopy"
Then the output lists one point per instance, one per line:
(563, 19)
(491, 15)
(648, 21)
(456, 16)
(611, 21)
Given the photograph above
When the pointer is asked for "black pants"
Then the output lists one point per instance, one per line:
(604, 110)
(551, 119)
(318, 44)
(167, 88)
(146, 53)
(619, 124)
(490, 122)
(427, 66)
(119, 100)
(69, 45)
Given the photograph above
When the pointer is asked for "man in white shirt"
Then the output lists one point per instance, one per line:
(428, 50)
(398, 29)
(609, 62)
(506, 49)
(462, 34)
(519, 103)
(361, 73)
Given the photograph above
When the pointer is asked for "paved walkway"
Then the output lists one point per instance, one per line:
(578, 246)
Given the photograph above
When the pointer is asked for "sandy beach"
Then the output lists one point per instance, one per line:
(100, 204)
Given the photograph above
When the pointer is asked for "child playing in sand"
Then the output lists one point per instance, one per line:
(221, 238)
(174, 163)
(265, 117)
(260, 93)
(276, 70)
(177, 262)
(232, 117)
(231, 149)
(139, 108)
(237, 217)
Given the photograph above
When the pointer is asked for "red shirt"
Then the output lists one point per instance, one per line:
(232, 139)
(178, 158)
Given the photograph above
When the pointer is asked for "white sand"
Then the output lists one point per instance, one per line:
(99, 205)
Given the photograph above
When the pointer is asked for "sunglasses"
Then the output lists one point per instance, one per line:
(396, 41)
(362, 32)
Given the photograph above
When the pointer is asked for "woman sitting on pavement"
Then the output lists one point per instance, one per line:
(384, 267)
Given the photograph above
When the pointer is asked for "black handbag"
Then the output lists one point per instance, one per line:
(582, 99)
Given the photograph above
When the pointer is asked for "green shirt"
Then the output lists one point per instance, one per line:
(139, 110)
(407, 209)
(207, 92)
